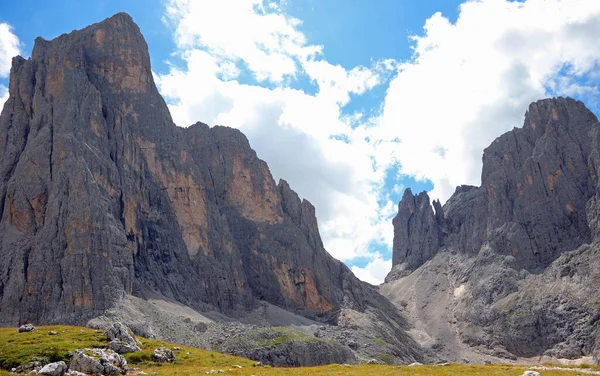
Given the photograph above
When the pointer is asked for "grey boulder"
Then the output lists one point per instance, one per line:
(121, 339)
(54, 369)
(121, 347)
(163, 355)
(26, 328)
(98, 362)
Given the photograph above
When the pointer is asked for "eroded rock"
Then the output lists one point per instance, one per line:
(122, 339)
(163, 355)
(54, 369)
(98, 361)
(26, 328)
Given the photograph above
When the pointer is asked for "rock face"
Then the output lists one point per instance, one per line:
(103, 197)
(296, 354)
(417, 230)
(516, 252)
(285, 347)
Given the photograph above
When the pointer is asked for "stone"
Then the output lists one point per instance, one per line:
(353, 345)
(122, 347)
(53, 333)
(54, 369)
(531, 373)
(121, 339)
(26, 328)
(121, 332)
(163, 355)
(98, 361)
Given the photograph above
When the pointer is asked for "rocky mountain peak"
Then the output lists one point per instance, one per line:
(104, 198)
(536, 183)
(417, 230)
(515, 253)
(113, 53)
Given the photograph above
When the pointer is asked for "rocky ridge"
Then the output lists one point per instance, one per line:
(104, 198)
(508, 269)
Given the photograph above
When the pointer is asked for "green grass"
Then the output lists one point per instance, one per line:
(284, 335)
(19, 348)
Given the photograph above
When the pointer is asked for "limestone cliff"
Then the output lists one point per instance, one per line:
(103, 197)
(512, 250)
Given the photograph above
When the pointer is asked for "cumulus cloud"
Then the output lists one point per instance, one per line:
(9, 48)
(472, 80)
(252, 31)
(375, 271)
(466, 83)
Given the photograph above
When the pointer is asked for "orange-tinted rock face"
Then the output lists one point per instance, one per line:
(299, 286)
(124, 68)
(552, 178)
(186, 197)
(255, 205)
(18, 218)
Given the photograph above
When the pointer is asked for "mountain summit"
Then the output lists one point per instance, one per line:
(104, 198)
(510, 268)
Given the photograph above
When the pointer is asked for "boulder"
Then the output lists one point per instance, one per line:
(26, 328)
(122, 339)
(54, 369)
(122, 333)
(163, 355)
(121, 347)
(74, 373)
(98, 362)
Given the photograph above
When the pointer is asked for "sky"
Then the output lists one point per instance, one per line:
(350, 101)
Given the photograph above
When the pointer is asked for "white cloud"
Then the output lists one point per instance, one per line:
(3, 96)
(9, 48)
(253, 31)
(375, 271)
(470, 81)
(466, 83)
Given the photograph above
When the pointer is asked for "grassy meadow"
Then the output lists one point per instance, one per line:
(19, 348)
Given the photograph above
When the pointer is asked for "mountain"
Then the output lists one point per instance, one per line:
(104, 198)
(510, 269)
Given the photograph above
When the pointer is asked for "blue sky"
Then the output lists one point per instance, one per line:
(351, 101)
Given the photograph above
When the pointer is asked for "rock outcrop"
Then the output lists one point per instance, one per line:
(121, 339)
(103, 197)
(54, 369)
(515, 253)
(98, 362)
